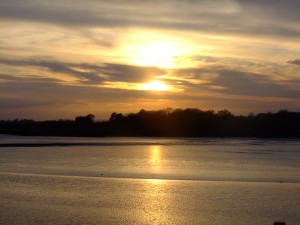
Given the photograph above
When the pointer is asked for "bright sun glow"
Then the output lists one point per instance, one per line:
(159, 54)
(155, 86)
(155, 49)
(162, 54)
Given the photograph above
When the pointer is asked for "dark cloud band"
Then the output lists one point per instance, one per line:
(221, 17)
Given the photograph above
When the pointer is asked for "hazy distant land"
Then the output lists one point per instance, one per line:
(188, 122)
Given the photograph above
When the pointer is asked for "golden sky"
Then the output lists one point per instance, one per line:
(64, 58)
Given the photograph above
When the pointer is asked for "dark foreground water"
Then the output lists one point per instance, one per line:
(149, 181)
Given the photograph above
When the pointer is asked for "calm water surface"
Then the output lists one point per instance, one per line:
(149, 181)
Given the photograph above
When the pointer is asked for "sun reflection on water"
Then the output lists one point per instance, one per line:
(156, 203)
(156, 181)
(155, 158)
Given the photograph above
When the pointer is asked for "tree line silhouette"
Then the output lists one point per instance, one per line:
(168, 122)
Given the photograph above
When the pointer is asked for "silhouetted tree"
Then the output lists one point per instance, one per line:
(116, 116)
(88, 119)
(167, 122)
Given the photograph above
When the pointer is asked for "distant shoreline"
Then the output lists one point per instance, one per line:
(8, 141)
(165, 123)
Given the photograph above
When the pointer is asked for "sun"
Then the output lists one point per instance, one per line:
(155, 86)
(158, 54)
(150, 48)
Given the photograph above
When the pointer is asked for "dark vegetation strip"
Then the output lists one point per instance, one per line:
(188, 122)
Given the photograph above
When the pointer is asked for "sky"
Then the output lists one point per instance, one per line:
(63, 58)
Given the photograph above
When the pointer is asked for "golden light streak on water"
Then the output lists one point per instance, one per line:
(155, 158)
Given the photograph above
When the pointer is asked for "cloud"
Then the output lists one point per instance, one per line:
(55, 66)
(128, 73)
(39, 98)
(286, 10)
(82, 41)
(234, 82)
(294, 61)
(214, 78)
(92, 73)
(251, 84)
(9, 78)
(222, 16)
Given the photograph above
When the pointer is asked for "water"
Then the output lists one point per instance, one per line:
(149, 181)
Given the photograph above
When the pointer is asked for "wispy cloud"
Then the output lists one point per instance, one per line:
(279, 18)
(92, 73)
(294, 61)
(57, 55)
(234, 82)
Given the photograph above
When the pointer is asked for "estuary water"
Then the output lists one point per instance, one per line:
(55, 180)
